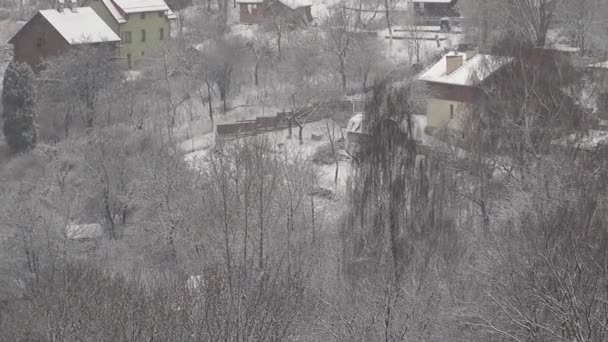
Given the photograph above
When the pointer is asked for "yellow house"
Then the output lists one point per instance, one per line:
(453, 85)
(142, 25)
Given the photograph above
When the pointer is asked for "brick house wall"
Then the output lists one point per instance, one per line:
(38, 40)
(251, 13)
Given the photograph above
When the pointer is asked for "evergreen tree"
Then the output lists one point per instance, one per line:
(19, 107)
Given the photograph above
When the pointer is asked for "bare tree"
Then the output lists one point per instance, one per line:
(338, 39)
(530, 19)
(261, 52)
(77, 79)
(584, 20)
(163, 70)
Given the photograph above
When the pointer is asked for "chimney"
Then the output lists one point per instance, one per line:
(60, 5)
(470, 53)
(452, 62)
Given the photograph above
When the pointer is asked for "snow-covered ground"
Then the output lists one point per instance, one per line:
(246, 105)
(292, 147)
(198, 137)
(279, 138)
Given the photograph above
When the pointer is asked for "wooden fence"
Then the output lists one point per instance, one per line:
(339, 110)
(261, 124)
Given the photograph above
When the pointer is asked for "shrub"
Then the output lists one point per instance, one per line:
(19, 107)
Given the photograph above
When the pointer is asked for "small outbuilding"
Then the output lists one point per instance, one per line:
(454, 85)
(296, 12)
(434, 8)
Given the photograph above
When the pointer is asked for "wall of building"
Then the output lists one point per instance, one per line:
(298, 16)
(152, 23)
(253, 13)
(438, 113)
(103, 12)
(38, 41)
(454, 92)
(136, 48)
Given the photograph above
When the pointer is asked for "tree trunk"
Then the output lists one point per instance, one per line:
(359, 21)
(172, 244)
(108, 213)
(89, 117)
(279, 42)
(245, 237)
(390, 29)
(484, 27)
(312, 217)
(343, 73)
(210, 102)
(261, 219)
(67, 122)
(224, 105)
(255, 72)
(301, 127)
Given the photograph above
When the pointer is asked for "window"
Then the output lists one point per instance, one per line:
(161, 14)
(451, 111)
(143, 35)
(126, 17)
(161, 33)
(125, 37)
(40, 42)
(142, 53)
(143, 16)
(129, 60)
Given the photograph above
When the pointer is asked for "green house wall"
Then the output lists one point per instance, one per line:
(137, 49)
(152, 24)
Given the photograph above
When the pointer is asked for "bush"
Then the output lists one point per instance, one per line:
(19, 107)
(324, 155)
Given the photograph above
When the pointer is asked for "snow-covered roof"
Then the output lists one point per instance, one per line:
(84, 231)
(470, 73)
(294, 4)
(588, 141)
(118, 7)
(136, 6)
(600, 65)
(433, 1)
(561, 47)
(78, 26)
(114, 11)
(354, 123)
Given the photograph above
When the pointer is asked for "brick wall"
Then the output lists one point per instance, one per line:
(37, 41)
